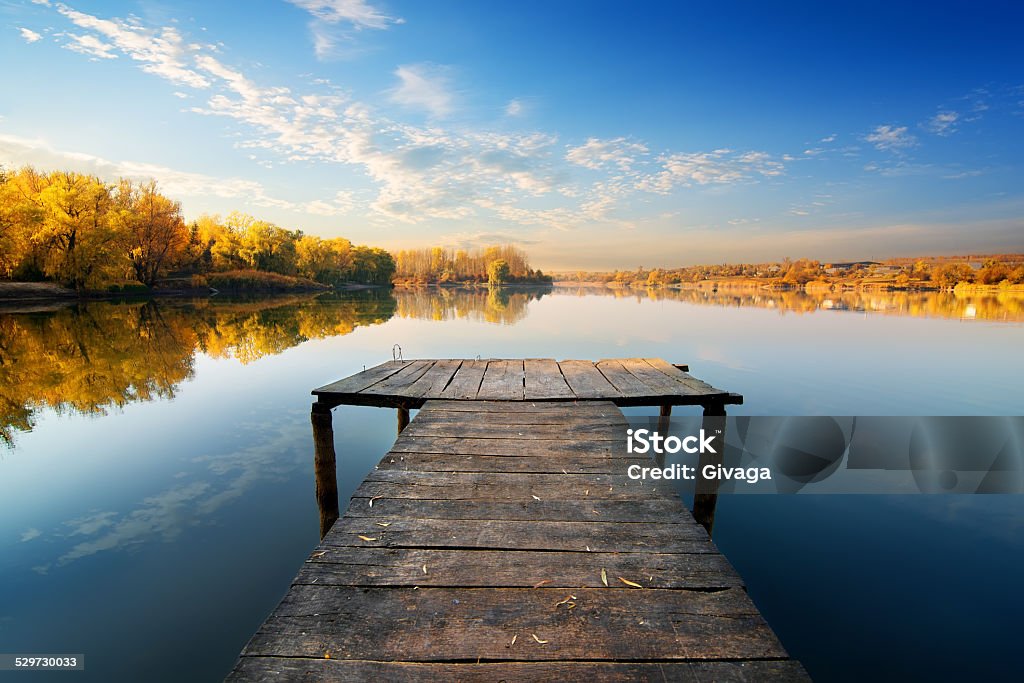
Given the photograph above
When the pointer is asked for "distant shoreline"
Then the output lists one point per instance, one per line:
(752, 284)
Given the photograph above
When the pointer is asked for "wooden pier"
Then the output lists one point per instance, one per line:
(501, 539)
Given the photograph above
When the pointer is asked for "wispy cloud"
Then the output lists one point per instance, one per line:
(515, 108)
(718, 167)
(358, 13)
(161, 51)
(426, 87)
(29, 35)
(944, 123)
(334, 19)
(30, 534)
(891, 138)
(17, 150)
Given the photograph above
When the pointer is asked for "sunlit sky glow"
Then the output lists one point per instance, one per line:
(595, 135)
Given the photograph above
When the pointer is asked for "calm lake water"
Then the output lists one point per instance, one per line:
(156, 483)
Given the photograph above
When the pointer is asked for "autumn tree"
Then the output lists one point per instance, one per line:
(154, 231)
(498, 272)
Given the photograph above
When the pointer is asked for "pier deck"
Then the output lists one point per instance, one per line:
(502, 540)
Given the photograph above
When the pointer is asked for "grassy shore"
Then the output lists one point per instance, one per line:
(230, 282)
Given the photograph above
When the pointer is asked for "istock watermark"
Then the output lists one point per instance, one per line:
(828, 454)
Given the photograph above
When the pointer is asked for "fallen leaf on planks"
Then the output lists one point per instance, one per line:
(513, 640)
(568, 598)
(541, 583)
(542, 642)
(630, 583)
(604, 576)
(375, 498)
(535, 497)
(384, 524)
(424, 569)
(367, 538)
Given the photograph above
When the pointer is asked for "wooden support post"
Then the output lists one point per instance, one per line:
(705, 497)
(663, 428)
(324, 466)
(403, 419)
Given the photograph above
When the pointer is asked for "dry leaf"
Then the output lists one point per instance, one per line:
(564, 472)
(535, 497)
(424, 569)
(587, 492)
(320, 553)
(513, 640)
(367, 538)
(327, 655)
(570, 605)
(538, 585)
(604, 577)
(630, 583)
(542, 642)
(373, 499)
(568, 598)
(588, 548)
(384, 524)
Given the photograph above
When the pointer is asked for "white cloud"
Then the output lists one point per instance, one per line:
(891, 138)
(358, 13)
(90, 45)
(162, 52)
(16, 151)
(30, 534)
(830, 138)
(944, 123)
(29, 35)
(424, 86)
(515, 108)
(597, 154)
(718, 167)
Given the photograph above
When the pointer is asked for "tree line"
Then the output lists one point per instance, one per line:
(77, 230)
(439, 265)
(942, 272)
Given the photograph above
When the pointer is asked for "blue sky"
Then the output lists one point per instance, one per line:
(595, 134)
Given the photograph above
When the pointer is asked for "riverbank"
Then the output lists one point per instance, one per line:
(247, 283)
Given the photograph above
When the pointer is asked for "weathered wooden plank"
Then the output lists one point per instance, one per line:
(598, 432)
(567, 408)
(609, 537)
(361, 380)
(507, 486)
(514, 569)
(399, 383)
(544, 380)
(623, 380)
(441, 417)
(258, 669)
(466, 383)
(430, 624)
(493, 491)
(503, 381)
(549, 464)
(435, 380)
(657, 382)
(681, 376)
(586, 381)
(667, 510)
(511, 446)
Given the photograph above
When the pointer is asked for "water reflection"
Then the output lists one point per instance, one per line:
(90, 357)
(502, 305)
(1004, 306)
